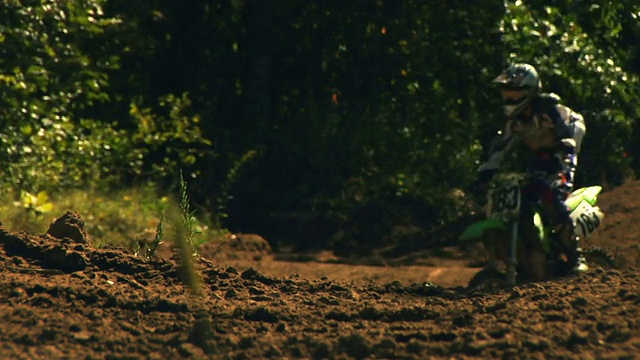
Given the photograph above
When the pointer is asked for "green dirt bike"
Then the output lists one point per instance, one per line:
(519, 245)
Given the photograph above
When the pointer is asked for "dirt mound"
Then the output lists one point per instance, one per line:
(244, 251)
(62, 299)
(620, 231)
(237, 246)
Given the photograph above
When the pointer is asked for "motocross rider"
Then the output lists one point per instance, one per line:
(552, 133)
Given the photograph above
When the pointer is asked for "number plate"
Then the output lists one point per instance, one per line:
(587, 218)
(506, 198)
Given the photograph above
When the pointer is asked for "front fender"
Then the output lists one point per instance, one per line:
(476, 230)
(588, 194)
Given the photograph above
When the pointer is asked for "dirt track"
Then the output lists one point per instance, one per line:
(63, 299)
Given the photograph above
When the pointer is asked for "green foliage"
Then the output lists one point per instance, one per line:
(225, 197)
(26, 210)
(376, 104)
(37, 204)
(167, 141)
(111, 216)
(54, 70)
(606, 159)
(49, 71)
(313, 123)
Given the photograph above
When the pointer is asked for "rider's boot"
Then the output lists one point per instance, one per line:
(565, 238)
(577, 259)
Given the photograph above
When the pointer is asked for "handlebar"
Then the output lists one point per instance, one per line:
(522, 178)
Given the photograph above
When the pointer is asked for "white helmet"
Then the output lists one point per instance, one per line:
(518, 77)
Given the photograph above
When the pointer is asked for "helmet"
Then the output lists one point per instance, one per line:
(519, 77)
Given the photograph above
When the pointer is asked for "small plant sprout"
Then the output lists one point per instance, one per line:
(189, 220)
(140, 246)
(185, 233)
(157, 239)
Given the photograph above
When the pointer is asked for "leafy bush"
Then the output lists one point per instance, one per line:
(51, 71)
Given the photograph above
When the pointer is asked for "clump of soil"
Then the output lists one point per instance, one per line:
(60, 298)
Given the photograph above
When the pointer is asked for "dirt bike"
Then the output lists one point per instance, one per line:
(519, 245)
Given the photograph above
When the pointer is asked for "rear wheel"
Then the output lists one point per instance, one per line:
(597, 255)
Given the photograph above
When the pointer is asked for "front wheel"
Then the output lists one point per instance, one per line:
(487, 279)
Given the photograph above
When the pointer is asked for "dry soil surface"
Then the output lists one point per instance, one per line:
(60, 298)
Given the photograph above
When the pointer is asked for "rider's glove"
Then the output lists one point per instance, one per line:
(484, 176)
(559, 184)
(563, 181)
(479, 192)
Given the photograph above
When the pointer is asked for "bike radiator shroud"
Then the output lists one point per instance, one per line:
(586, 216)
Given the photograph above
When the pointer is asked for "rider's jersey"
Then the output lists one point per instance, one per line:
(552, 127)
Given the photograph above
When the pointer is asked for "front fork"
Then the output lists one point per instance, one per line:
(512, 261)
